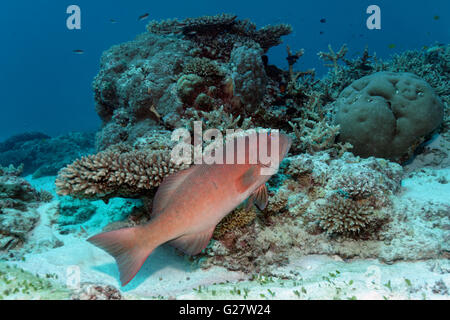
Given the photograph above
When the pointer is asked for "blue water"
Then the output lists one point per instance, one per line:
(44, 86)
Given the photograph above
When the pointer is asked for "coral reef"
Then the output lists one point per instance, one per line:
(324, 200)
(153, 81)
(42, 155)
(18, 139)
(347, 206)
(388, 114)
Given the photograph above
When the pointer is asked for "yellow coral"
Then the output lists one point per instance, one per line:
(237, 219)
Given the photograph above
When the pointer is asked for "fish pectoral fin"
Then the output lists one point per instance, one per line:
(246, 180)
(260, 197)
(192, 244)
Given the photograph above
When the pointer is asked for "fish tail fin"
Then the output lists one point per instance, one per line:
(128, 247)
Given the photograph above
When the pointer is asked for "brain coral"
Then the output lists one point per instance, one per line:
(388, 114)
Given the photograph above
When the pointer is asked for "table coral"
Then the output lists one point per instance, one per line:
(116, 172)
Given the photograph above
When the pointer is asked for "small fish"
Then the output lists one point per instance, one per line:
(323, 20)
(391, 46)
(321, 32)
(113, 20)
(143, 17)
(78, 51)
(436, 17)
(190, 203)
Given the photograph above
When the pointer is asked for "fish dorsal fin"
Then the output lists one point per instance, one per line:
(193, 244)
(260, 197)
(167, 189)
(247, 179)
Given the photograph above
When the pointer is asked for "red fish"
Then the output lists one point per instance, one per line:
(189, 204)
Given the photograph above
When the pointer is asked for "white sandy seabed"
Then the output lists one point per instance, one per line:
(168, 275)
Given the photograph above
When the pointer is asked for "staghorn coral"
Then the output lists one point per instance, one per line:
(318, 136)
(333, 56)
(116, 173)
(217, 119)
(313, 132)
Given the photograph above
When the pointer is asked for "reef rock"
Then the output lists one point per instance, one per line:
(18, 214)
(388, 114)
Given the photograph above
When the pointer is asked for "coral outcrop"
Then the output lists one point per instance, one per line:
(42, 155)
(18, 203)
(388, 114)
(202, 63)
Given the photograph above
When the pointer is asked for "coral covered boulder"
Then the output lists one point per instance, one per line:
(18, 214)
(388, 114)
(202, 63)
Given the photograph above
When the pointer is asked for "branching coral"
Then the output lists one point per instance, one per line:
(115, 173)
(217, 119)
(318, 136)
(338, 214)
(314, 133)
(333, 56)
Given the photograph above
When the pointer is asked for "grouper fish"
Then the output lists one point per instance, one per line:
(190, 203)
